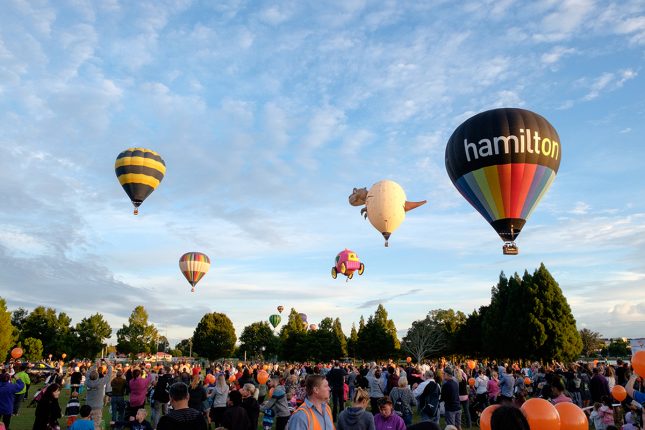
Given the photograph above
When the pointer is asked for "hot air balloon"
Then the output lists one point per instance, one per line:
(275, 320)
(194, 265)
(347, 263)
(303, 317)
(503, 161)
(280, 308)
(139, 171)
(385, 205)
(313, 327)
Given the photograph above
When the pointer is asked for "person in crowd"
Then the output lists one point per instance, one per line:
(250, 404)
(428, 395)
(336, 378)
(610, 375)
(464, 398)
(8, 394)
(117, 398)
(596, 417)
(197, 394)
(356, 417)
(48, 410)
(85, 421)
(493, 388)
(279, 403)
(403, 400)
(73, 408)
(557, 391)
(376, 386)
(95, 388)
(220, 395)
(19, 396)
(315, 412)
(506, 384)
(181, 417)
(508, 418)
(386, 419)
(138, 390)
(235, 417)
(598, 386)
(75, 379)
(481, 389)
(160, 397)
(450, 397)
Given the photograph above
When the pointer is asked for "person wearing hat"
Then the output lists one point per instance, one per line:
(450, 397)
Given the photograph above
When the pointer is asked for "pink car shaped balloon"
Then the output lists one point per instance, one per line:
(347, 263)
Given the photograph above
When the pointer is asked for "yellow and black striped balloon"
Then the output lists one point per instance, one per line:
(139, 171)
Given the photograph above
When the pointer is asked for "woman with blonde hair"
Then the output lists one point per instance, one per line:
(220, 395)
(403, 400)
(356, 418)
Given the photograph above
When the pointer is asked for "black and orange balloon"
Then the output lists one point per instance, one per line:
(139, 172)
(503, 161)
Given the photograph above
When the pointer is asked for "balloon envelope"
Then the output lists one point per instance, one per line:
(194, 265)
(139, 171)
(571, 417)
(484, 419)
(385, 205)
(503, 161)
(541, 414)
(619, 393)
(303, 317)
(638, 363)
(275, 320)
(280, 308)
(16, 353)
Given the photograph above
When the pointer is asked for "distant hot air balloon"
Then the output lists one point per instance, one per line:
(194, 265)
(139, 171)
(385, 205)
(275, 320)
(313, 327)
(280, 308)
(303, 317)
(503, 161)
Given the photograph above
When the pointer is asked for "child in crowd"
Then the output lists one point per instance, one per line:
(267, 420)
(84, 422)
(596, 418)
(72, 409)
(137, 422)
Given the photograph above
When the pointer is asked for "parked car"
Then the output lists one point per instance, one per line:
(40, 371)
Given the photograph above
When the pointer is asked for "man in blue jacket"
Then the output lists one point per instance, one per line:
(8, 392)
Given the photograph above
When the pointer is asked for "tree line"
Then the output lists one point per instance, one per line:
(528, 318)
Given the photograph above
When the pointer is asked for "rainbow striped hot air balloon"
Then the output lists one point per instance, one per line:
(139, 171)
(503, 161)
(194, 265)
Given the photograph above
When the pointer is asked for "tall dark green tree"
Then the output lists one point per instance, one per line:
(340, 339)
(257, 336)
(184, 347)
(534, 317)
(214, 336)
(470, 335)
(138, 335)
(6, 330)
(293, 338)
(352, 342)
(18, 317)
(450, 322)
(618, 348)
(33, 349)
(91, 333)
(378, 338)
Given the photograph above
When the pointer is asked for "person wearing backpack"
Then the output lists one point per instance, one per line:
(428, 394)
(573, 383)
(403, 400)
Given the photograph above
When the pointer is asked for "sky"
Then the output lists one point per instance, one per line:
(268, 114)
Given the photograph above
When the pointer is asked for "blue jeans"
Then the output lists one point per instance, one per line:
(407, 417)
(117, 404)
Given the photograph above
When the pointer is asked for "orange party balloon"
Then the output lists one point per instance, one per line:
(527, 381)
(619, 393)
(16, 353)
(571, 417)
(232, 378)
(541, 414)
(472, 364)
(64, 356)
(408, 359)
(471, 382)
(484, 419)
(638, 363)
(263, 377)
(210, 378)
(595, 363)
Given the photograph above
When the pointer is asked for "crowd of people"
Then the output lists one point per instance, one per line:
(305, 396)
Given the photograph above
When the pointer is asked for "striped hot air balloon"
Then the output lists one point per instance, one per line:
(194, 265)
(275, 320)
(503, 161)
(139, 171)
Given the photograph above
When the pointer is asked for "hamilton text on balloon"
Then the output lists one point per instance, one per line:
(536, 145)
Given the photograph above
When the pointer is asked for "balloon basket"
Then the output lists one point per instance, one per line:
(136, 211)
(510, 248)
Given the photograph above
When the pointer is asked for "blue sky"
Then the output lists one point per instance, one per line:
(269, 113)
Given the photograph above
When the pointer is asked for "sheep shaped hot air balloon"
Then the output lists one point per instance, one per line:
(347, 262)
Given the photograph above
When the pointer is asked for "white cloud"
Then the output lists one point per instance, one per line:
(553, 28)
(323, 126)
(580, 208)
(625, 130)
(555, 54)
(608, 82)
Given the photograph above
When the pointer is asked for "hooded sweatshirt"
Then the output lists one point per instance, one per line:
(355, 419)
(96, 389)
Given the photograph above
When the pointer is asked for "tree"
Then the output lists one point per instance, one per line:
(378, 339)
(185, 347)
(470, 334)
(33, 349)
(352, 342)
(258, 340)
(293, 338)
(618, 348)
(91, 333)
(450, 322)
(18, 317)
(53, 330)
(591, 342)
(214, 336)
(137, 336)
(535, 317)
(6, 330)
(340, 339)
(424, 339)
(162, 344)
